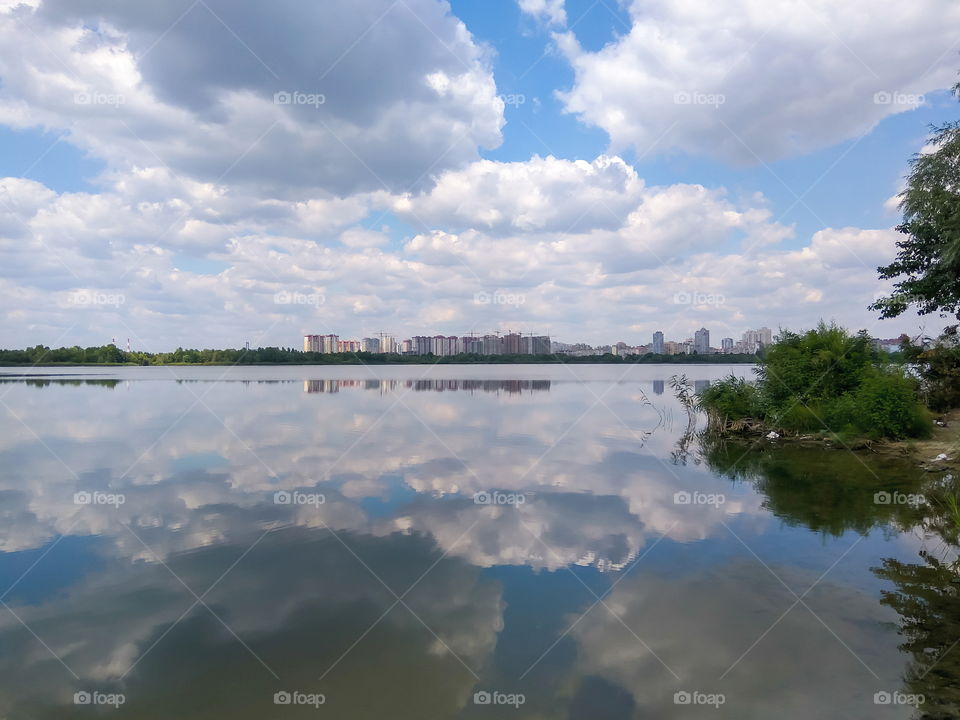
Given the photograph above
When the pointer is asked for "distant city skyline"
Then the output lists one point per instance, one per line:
(751, 341)
(441, 345)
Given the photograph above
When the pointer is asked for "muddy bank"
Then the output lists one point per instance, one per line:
(945, 441)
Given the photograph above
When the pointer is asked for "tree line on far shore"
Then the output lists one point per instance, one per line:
(112, 355)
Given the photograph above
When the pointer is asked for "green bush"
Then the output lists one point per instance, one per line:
(886, 406)
(802, 418)
(823, 363)
(732, 398)
(842, 416)
(824, 380)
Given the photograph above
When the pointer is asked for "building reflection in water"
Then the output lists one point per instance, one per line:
(436, 385)
(658, 386)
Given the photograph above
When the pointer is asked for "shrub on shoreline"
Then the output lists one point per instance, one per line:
(823, 381)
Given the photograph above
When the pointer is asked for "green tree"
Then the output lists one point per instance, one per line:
(927, 266)
(927, 598)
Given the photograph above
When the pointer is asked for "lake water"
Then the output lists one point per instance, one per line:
(453, 541)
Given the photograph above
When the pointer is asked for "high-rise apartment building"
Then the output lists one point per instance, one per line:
(658, 345)
(492, 345)
(471, 344)
(320, 343)
(539, 344)
(511, 344)
(701, 341)
(421, 345)
(329, 343)
(754, 340)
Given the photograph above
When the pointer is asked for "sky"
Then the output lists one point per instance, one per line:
(205, 173)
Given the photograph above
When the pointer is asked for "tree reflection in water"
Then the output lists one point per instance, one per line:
(833, 492)
(927, 598)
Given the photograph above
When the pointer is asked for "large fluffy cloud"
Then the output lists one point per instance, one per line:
(586, 250)
(757, 80)
(281, 96)
(536, 195)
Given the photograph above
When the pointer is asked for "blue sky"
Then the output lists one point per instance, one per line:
(593, 161)
(869, 174)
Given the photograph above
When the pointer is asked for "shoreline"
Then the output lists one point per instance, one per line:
(584, 361)
(944, 440)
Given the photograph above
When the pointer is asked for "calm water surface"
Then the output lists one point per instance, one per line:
(446, 542)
